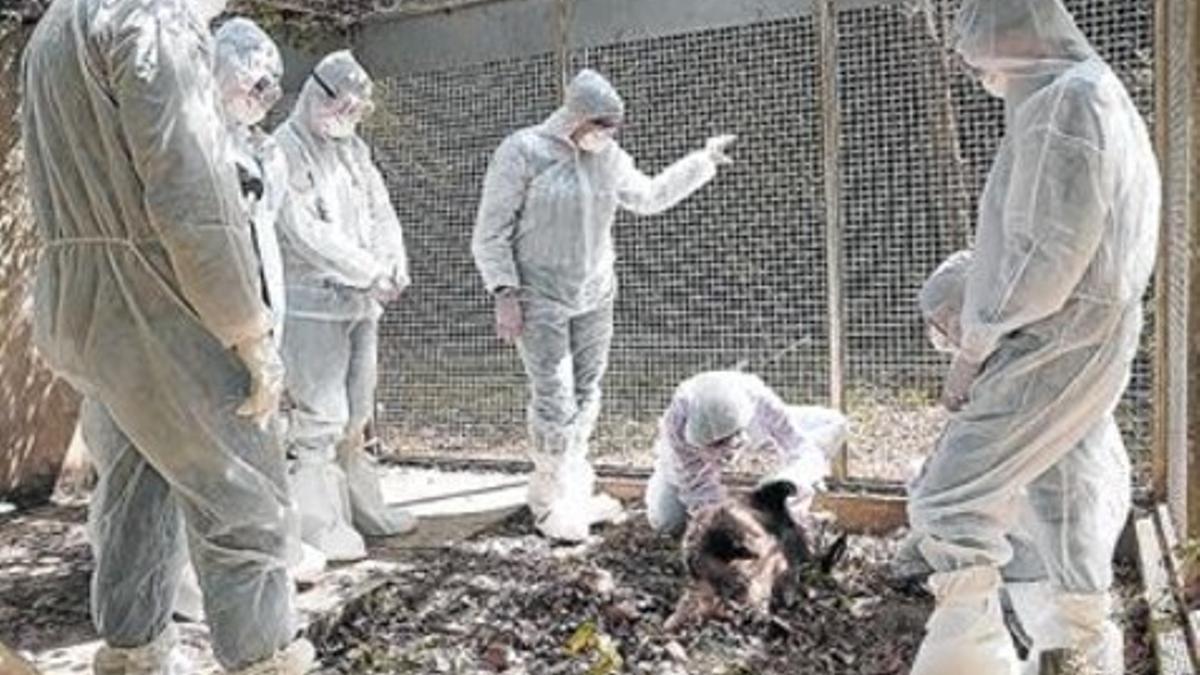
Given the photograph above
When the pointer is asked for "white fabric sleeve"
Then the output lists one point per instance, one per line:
(698, 470)
(319, 240)
(190, 190)
(648, 196)
(1054, 217)
(387, 233)
(504, 188)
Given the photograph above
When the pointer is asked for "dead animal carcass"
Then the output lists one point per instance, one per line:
(742, 552)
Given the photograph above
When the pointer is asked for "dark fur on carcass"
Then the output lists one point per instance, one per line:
(740, 553)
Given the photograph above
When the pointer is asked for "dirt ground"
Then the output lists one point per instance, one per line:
(506, 601)
(44, 570)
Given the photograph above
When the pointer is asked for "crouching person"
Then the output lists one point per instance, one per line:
(711, 420)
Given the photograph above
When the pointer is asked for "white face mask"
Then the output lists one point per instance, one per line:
(594, 141)
(733, 446)
(338, 126)
(941, 342)
(994, 83)
(245, 110)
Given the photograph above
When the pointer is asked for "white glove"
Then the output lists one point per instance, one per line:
(385, 290)
(716, 146)
(956, 390)
(509, 318)
(266, 379)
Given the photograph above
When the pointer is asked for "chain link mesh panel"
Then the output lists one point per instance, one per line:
(445, 384)
(919, 138)
(735, 276)
(730, 278)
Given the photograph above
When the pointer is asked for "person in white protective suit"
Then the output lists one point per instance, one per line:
(248, 69)
(344, 257)
(1100, 469)
(543, 244)
(713, 418)
(148, 301)
(1066, 242)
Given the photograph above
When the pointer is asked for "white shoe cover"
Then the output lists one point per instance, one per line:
(189, 600)
(321, 495)
(371, 515)
(297, 658)
(309, 566)
(560, 496)
(1080, 622)
(157, 658)
(606, 509)
(966, 634)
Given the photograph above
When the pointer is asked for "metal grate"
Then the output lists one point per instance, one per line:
(734, 277)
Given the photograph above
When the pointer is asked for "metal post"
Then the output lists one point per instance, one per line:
(831, 112)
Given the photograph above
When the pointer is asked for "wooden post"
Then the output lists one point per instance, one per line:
(37, 410)
(1191, 526)
(831, 114)
(1160, 448)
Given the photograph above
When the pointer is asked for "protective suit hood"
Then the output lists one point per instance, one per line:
(720, 410)
(1020, 39)
(941, 296)
(337, 94)
(588, 96)
(248, 71)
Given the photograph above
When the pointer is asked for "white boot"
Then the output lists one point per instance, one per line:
(1080, 622)
(606, 509)
(966, 634)
(370, 513)
(560, 489)
(297, 658)
(603, 508)
(1029, 601)
(189, 600)
(318, 487)
(159, 657)
(308, 566)
(305, 562)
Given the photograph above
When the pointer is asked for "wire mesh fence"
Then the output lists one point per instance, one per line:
(735, 276)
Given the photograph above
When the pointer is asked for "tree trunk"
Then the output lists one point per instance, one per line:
(37, 410)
